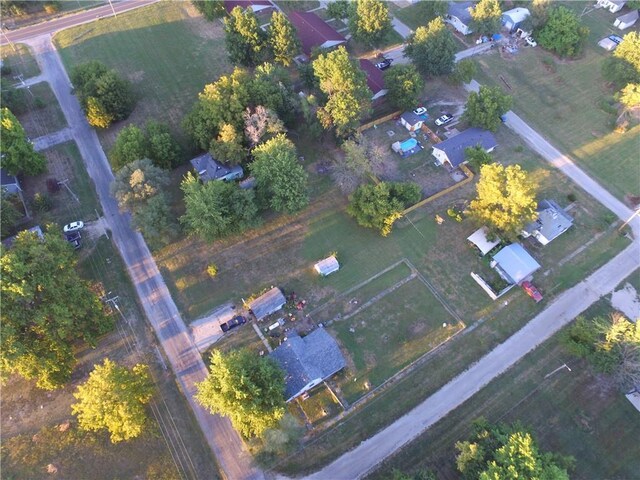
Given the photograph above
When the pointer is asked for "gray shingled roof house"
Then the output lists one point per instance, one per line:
(307, 361)
(627, 20)
(552, 222)
(411, 121)
(9, 183)
(210, 169)
(459, 16)
(451, 151)
(267, 303)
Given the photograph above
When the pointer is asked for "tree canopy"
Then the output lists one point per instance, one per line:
(477, 156)
(430, 9)
(507, 452)
(283, 39)
(215, 208)
(563, 33)
(9, 215)
(210, 9)
(246, 388)
(361, 157)
(485, 107)
(136, 182)
(130, 145)
(379, 205)
(246, 41)
(611, 345)
(624, 66)
(113, 398)
(405, 86)
(45, 309)
(505, 201)
(464, 71)
(432, 49)
(103, 94)
(630, 95)
(16, 151)
(338, 9)
(281, 181)
(345, 85)
(228, 147)
(486, 17)
(369, 20)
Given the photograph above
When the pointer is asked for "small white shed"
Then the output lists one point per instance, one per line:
(327, 266)
(480, 240)
(627, 20)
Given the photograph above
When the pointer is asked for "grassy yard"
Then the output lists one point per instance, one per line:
(576, 413)
(569, 103)
(319, 407)
(20, 61)
(43, 114)
(389, 334)
(166, 50)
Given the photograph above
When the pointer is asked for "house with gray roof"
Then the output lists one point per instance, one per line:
(9, 183)
(514, 264)
(411, 121)
(308, 361)
(208, 169)
(627, 20)
(451, 151)
(267, 303)
(552, 222)
(612, 5)
(459, 16)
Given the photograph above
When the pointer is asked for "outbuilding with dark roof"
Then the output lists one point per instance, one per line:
(208, 169)
(451, 151)
(308, 361)
(314, 32)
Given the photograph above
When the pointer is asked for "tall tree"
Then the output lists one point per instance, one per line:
(162, 148)
(9, 215)
(246, 388)
(477, 156)
(16, 151)
(210, 9)
(137, 182)
(379, 206)
(505, 200)
(345, 85)
(405, 86)
(103, 94)
(155, 220)
(130, 145)
(361, 157)
(501, 452)
(432, 49)
(245, 40)
(630, 95)
(486, 17)
(113, 399)
(338, 9)
(611, 345)
(215, 209)
(485, 107)
(45, 309)
(369, 20)
(464, 71)
(281, 181)
(259, 123)
(283, 39)
(271, 88)
(563, 33)
(228, 146)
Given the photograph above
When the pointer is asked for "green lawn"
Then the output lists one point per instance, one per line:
(20, 61)
(43, 113)
(166, 50)
(318, 408)
(576, 413)
(568, 102)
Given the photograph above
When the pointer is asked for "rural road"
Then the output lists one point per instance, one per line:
(71, 20)
(161, 311)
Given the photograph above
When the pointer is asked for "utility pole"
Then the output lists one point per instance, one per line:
(64, 183)
(113, 9)
(7, 39)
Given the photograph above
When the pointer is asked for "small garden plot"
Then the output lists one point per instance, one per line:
(42, 114)
(319, 407)
(18, 61)
(389, 335)
(357, 298)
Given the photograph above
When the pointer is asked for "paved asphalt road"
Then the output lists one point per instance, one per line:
(72, 20)
(158, 305)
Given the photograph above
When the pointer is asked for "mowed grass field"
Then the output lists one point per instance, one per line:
(166, 50)
(575, 412)
(569, 103)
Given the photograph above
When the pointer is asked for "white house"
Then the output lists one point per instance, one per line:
(459, 16)
(451, 151)
(627, 20)
(552, 222)
(612, 5)
(411, 121)
(512, 19)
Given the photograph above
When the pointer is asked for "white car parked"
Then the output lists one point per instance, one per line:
(73, 226)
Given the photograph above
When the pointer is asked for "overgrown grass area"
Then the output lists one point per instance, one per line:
(575, 412)
(570, 104)
(167, 50)
(389, 334)
(42, 114)
(318, 408)
(20, 61)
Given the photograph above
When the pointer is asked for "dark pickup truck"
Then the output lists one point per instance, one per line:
(233, 323)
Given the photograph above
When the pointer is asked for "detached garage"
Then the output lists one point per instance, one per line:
(327, 266)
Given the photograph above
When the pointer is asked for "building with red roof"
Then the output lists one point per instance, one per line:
(375, 79)
(314, 32)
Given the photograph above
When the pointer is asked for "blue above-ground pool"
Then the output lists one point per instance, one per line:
(408, 144)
